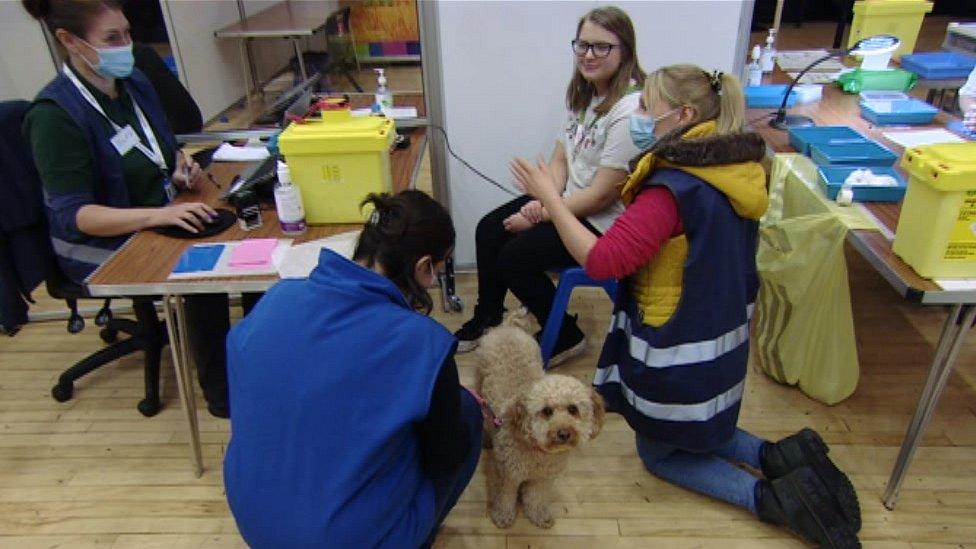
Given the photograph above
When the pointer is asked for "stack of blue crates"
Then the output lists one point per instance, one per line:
(939, 65)
(838, 151)
(908, 111)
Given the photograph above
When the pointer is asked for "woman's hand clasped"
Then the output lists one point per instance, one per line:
(535, 179)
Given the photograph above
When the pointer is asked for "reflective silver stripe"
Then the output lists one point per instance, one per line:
(685, 353)
(80, 252)
(701, 411)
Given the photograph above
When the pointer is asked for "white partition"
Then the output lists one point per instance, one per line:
(25, 61)
(212, 68)
(503, 71)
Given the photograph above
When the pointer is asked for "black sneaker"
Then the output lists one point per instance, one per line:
(800, 501)
(570, 344)
(806, 448)
(472, 330)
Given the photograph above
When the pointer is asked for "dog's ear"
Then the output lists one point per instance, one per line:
(599, 413)
(518, 418)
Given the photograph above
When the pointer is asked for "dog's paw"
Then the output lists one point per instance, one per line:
(539, 516)
(503, 518)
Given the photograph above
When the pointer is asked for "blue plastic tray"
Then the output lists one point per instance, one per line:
(939, 64)
(956, 127)
(912, 111)
(802, 137)
(768, 96)
(832, 179)
(868, 153)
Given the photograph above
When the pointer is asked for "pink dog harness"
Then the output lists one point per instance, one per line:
(486, 410)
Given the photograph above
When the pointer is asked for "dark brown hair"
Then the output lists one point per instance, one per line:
(70, 15)
(580, 92)
(401, 229)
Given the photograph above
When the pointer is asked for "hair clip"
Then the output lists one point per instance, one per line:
(715, 80)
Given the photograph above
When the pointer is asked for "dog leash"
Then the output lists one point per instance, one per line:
(486, 411)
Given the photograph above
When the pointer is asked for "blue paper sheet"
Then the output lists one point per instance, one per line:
(199, 258)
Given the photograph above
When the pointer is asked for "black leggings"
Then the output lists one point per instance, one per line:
(207, 323)
(518, 262)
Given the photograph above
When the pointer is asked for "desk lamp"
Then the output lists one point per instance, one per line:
(873, 45)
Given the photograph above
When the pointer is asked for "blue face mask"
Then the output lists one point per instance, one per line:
(642, 129)
(113, 62)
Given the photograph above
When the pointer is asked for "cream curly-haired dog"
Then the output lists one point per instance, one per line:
(544, 418)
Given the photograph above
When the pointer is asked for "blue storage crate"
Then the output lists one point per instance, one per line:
(939, 64)
(832, 179)
(912, 111)
(802, 137)
(867, 153)
(768, 96)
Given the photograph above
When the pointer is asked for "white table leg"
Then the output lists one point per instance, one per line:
(953, 334)
(176, 325)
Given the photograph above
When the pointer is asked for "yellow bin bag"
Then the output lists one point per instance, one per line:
(336, 160)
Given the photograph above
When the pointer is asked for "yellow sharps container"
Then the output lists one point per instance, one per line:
(902, 18)
(336, 160)
(936, 232)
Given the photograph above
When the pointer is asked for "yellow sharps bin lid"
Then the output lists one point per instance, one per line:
(946, 166)
(337, 131)
(892, 7)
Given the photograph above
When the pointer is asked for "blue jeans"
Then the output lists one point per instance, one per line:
(712, 474)
(449, 487)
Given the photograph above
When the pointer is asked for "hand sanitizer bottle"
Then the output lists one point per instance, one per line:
(384, 97)
(768, 58)
(288, 202)
(754, 69)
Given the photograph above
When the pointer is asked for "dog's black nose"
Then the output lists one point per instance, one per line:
(563, 435)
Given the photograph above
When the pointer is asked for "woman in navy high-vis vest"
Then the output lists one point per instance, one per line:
(110, 165)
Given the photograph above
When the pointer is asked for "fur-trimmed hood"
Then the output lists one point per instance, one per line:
(730, 163)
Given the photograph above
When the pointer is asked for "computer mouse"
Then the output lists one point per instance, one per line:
(225, 218)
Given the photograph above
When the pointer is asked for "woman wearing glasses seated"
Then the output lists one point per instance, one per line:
(516, 243)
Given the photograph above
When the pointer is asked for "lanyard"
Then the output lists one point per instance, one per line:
(156, 154)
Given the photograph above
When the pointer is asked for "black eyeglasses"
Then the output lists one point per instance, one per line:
(599, 49)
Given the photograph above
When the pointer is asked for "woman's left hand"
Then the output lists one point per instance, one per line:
(535, 178)
(187, 173)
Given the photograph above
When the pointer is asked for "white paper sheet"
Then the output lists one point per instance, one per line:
(961, 284)
(916, 138)
(797, 60)
(299, 261)
(229, 153)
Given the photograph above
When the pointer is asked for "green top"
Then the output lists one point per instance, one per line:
(64, 160)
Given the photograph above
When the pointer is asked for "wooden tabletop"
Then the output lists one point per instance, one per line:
(839, 108)
(142, 266)
(289, 18)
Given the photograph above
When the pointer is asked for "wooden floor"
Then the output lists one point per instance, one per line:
(94, 473)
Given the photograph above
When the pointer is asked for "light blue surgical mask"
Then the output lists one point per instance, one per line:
(642, 129)
(114, 62)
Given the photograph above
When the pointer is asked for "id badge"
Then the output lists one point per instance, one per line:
(124, 140)
(169, 188)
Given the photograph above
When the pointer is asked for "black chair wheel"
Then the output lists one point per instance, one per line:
(149, 407)
(109, 335)
(457, 305)
(103, 317)
(76, 324)
(63, 392)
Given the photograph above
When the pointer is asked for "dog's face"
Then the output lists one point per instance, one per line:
(557, 413)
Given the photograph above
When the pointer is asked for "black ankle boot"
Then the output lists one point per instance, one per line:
(806, 448)
(800, 502)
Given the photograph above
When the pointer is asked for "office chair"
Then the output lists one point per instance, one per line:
(569, 278)
(20, 188)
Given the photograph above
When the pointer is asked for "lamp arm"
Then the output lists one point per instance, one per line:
(781, 113)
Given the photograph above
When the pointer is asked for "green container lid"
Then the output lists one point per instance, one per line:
(859, 80)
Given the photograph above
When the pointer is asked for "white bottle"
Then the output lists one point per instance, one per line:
(768, 58)
(288, 201)
(384, 97)
(754, 69)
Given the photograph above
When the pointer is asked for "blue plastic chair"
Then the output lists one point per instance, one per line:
(569, 279)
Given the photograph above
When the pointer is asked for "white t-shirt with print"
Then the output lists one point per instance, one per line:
(592, 142)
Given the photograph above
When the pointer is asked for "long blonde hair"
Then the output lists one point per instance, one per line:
(714, 96)
(580, 92)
